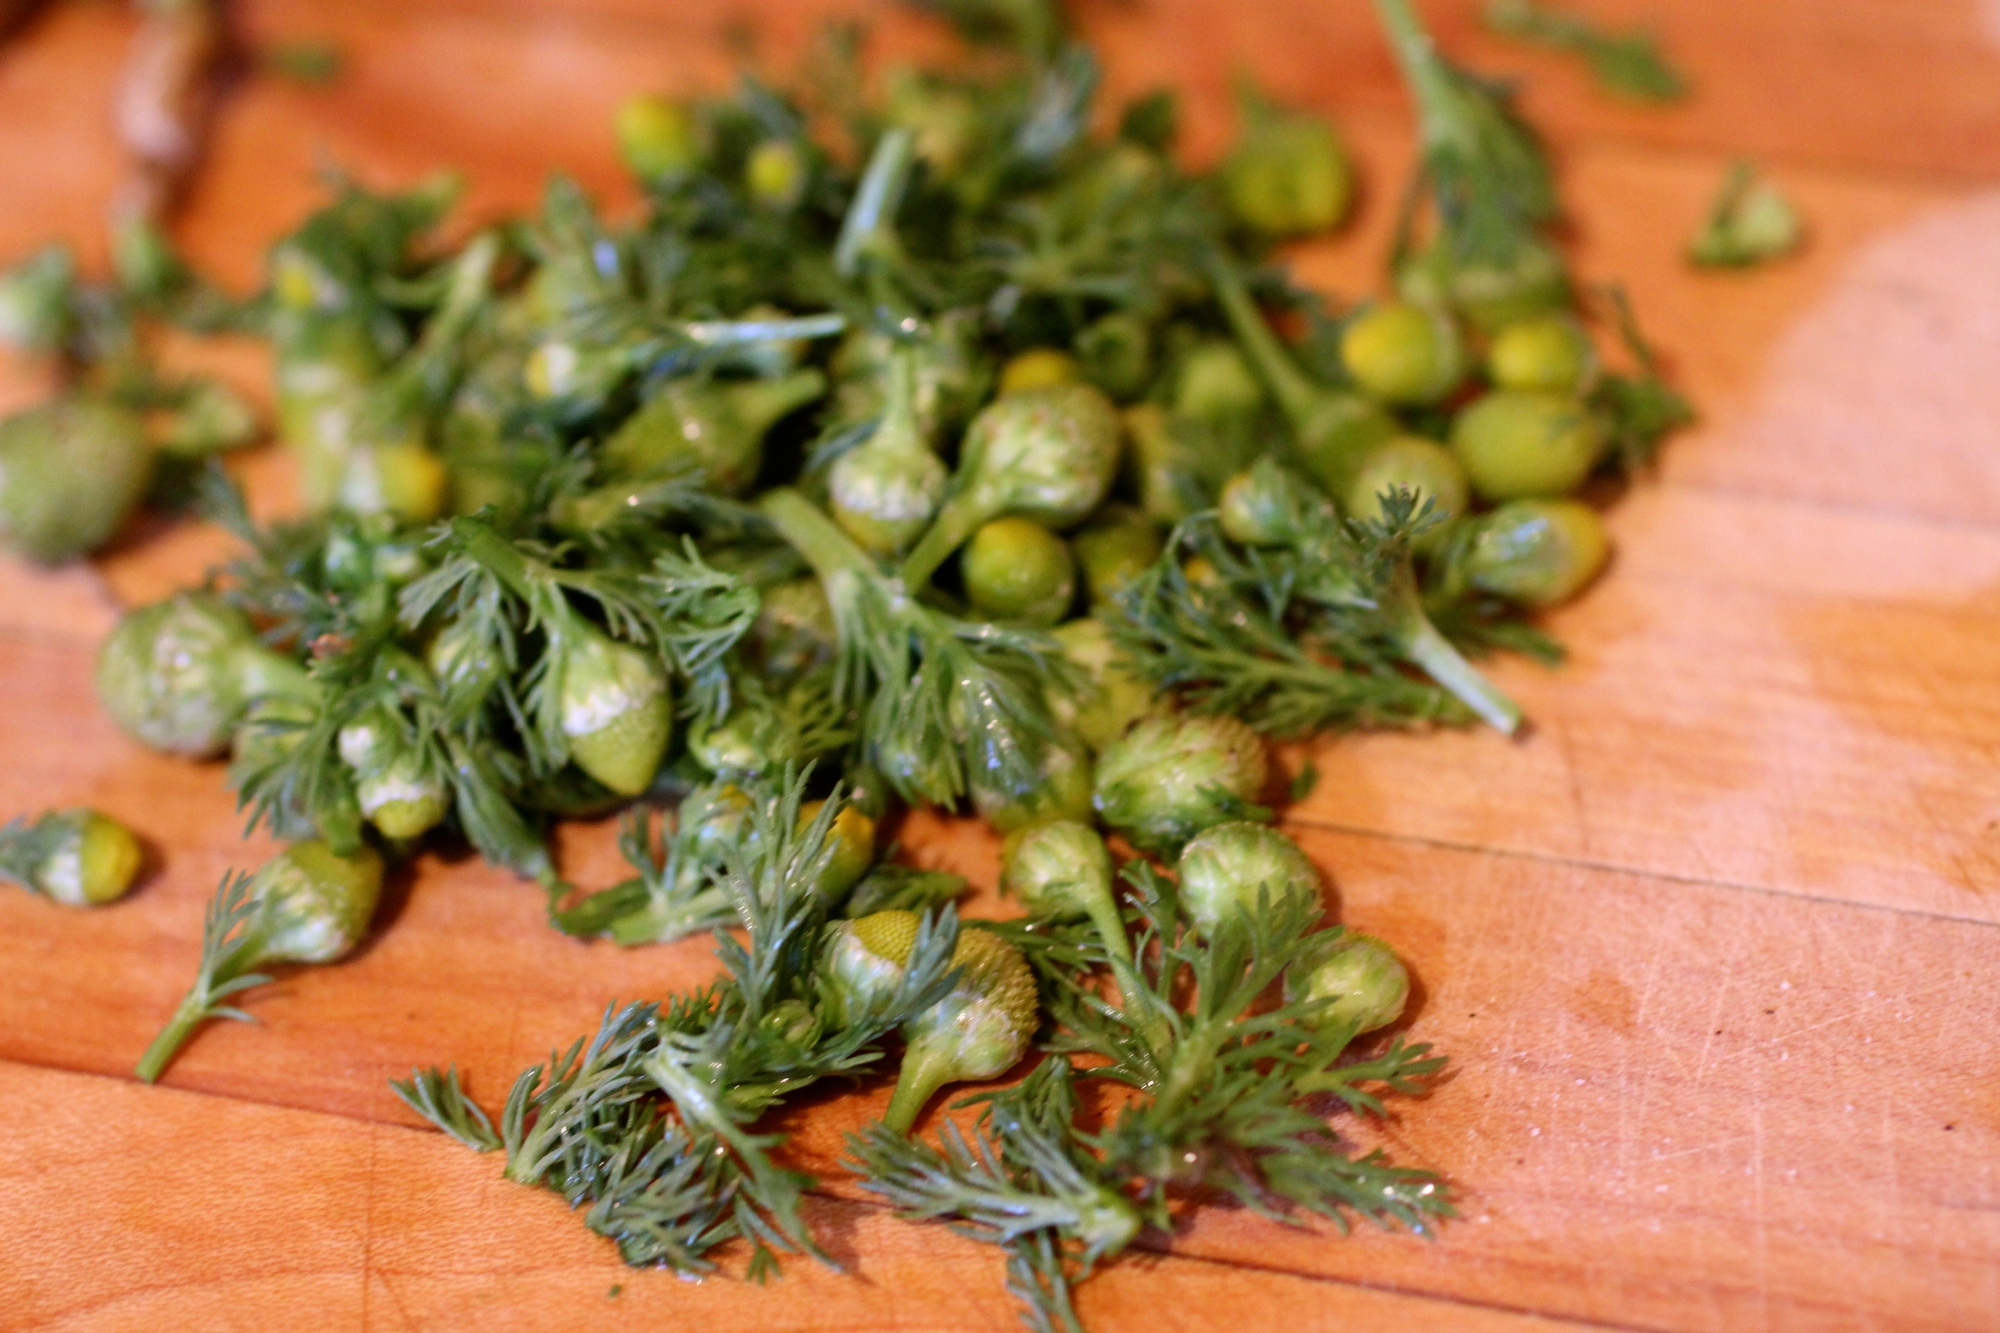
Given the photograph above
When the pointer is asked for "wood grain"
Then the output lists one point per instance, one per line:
(307, 1222)
(1709, 948)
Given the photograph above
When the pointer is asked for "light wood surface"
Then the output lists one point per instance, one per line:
(1712, 949)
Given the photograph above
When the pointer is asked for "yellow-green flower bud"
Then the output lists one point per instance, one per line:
(71, 470)
(1538, 552)
(713, 433)
(314, 906)
(1404, 354)
(1225, 869)
(775, 174)
(400, 477)
(864, 963)
(1263, 504)
(1288, 176)
(1063, 869)
(1112, 698)
(1215, 383)
(794, 631)
(399, 793)
(979, 1030)
(1424, 468)
(35, 300)
(1039, 368)
(77, 857)
(1516, 445)
(849, 850)
(1116, 353)
(1120, 544)
(209, 418)
(170, 674)
(1017, 570)
(1047, 454)
(615, 709)
(885, 491)
(1361, 975)
(1175, 774)
(658, 138)
(1553, 354)
(1061, 791)
(1490, 295)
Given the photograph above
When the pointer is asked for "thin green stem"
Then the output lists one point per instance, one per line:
(190, 1014)
(924, 1071)
(813, 535)
(1424, 645)
(957, 519)
(1294, 392)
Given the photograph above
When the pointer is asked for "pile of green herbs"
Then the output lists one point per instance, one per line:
(917, 443)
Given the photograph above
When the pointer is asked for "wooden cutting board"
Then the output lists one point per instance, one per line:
(1712, 948)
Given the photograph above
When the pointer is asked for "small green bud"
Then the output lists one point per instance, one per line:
(142, 258)
(615, 709)
(1116, 353)
(1162, 466)
(1337, 431)
(1288, 176)
(945, 121)
(794, 631)
(658, 138)
(886, 490)
(1553, 354)
(1540, 553)
(849, 850)
(399, 477)
(953, 374)
(1424, 468)
(170, 674)
(399, 792)
(885, 500)
(1215, 383)
(1063, 869)
(1062, 790)
(711, 431)
(1363, 977)
(1017, 570)
(36, 314)
(77, 857)
(1058, 869)
(1268, 504)
(1224, 869)
(864, 963)
(1120, 544)
(1039, 368)
(71, 470)
(463, 660)
(979, 1030)
(1403, 354)
(1047, 454)
(314, 906)
(1490, 296)
(1750, 222)
(1112, 698)
(775, 174)
(1515, 445)
(1175, 774)
(718, 815)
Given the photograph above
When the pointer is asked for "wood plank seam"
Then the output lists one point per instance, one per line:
(863, 1201)
(1635, 872)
